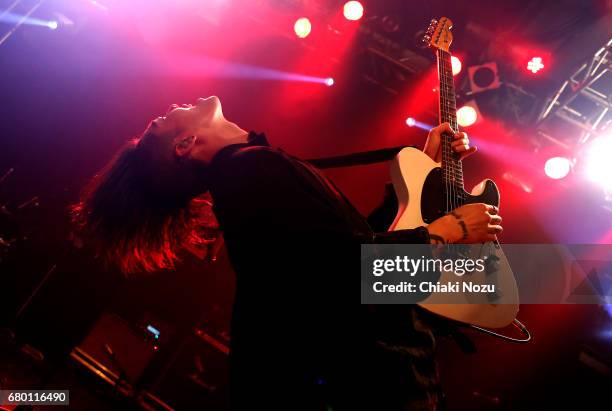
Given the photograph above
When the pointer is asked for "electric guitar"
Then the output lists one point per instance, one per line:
(427, 190)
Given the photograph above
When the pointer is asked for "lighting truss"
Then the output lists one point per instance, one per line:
(386, 63)
(584, 100)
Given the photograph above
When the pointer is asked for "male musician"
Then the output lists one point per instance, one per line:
(300, 339)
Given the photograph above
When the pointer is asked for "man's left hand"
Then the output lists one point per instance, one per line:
(460, 144)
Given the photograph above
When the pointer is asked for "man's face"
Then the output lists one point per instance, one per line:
(197, 131)
(189, 119)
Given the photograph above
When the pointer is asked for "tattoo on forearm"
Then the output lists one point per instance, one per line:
(436, 239)
(461, 223)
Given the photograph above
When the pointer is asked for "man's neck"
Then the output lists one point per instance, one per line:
(234, 135)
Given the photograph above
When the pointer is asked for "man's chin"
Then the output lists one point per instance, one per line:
(208, 101)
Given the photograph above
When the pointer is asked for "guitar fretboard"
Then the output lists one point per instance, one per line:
(451, 164)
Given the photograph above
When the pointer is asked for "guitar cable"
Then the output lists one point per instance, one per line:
(517, 324)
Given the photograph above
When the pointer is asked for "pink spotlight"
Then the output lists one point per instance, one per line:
(456, 63)
(557, 167)
(353, 10)
(535, 64)
(302, 27)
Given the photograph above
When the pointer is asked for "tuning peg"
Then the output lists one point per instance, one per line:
(426, 39)
(434, 21)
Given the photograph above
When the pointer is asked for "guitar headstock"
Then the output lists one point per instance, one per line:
(438, 34)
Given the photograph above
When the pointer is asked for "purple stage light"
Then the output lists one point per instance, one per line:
(31, 21)
(412, 122)
(208, 67)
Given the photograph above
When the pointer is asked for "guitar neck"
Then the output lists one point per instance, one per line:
(451, 164)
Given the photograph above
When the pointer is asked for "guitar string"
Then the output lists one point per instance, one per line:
(457, 161)
(448, 139)
(446, 145)
(444, 169)
(453, 163)
(452, 116)
(459, 166)
(444, 111)
(444, 157)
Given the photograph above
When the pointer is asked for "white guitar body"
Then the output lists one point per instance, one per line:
(409, 174)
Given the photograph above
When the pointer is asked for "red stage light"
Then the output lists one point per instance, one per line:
(456, 63)
(535, 64)
(466, 116)
(353, 10)
(302, 27)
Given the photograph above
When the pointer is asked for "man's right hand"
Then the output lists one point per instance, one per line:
(470, 223)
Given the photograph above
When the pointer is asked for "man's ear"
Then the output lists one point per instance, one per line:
(184, 145)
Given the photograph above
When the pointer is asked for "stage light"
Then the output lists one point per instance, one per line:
(413, 122)
(557, 167)
(483, 77)
(598, 164)
(518, 181)
(302, 27)
(154, 331)
(466, 116)
(7, 17)
(353, 10)
(456, 63)
(196, 65)
(329, 82)
(535, 64)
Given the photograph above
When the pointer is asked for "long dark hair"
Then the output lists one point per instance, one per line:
(146, 205)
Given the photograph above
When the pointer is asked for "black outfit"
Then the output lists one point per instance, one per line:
(300, 337)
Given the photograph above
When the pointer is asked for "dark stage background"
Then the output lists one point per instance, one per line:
(71, 97)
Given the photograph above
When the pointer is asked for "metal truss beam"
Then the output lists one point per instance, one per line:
(584, 100)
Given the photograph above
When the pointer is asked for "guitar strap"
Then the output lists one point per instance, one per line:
(357, 159)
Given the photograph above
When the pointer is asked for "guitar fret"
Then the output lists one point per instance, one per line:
(451, 165)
